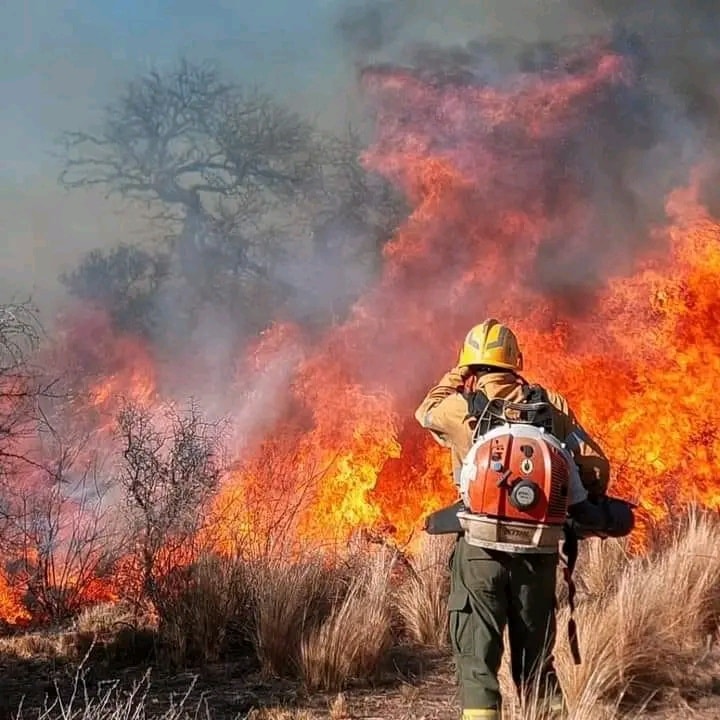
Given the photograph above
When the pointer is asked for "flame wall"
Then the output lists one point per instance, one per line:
(521, 210)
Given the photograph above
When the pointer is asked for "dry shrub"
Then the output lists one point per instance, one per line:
(201, 605)
(38, 646)
(353, 640)
(650, 632)
(421, 601)
(289, 598)
(104, 618)
(123, 635)
(126, 645)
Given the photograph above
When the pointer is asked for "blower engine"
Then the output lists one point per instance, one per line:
(515, 485)
(521, 489)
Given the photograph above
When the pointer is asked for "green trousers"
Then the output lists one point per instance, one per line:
(489, 590)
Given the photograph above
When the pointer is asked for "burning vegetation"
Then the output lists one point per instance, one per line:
(527, 194)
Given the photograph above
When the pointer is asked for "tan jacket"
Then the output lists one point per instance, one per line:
(444, 413)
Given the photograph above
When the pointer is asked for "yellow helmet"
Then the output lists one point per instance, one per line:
(493, 344)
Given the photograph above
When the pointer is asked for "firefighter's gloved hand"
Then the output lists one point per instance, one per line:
(458, 376)
(468, 378)
(603, 517)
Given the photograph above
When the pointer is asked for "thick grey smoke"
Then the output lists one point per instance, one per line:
(309, 59)
(676, 42)
(372, 25)
(639, 146)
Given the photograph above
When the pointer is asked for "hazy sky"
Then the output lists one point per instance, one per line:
(58, 65)
(62, 60)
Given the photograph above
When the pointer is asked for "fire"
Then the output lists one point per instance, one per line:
(12, 609)
(100, 365)
(324, 439)
(649, 396)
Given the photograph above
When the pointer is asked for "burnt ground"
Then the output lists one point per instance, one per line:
(420, 687)
(419, 684)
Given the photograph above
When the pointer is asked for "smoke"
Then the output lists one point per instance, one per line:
(369, 26)
(640, 141)
(310, 59)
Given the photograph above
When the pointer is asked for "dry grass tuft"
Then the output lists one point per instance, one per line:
(352, 642)
(421, 601)
(339, 708)
(104, 618)
(600, 566)
(38, 646)
(202, 605)
(288, 600)
(648, 634)
(535, 707)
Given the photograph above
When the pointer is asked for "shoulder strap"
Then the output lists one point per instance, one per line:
(477, 402)
(534, 406)
(534, 394)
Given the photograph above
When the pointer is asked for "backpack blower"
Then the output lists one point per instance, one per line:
(520, 488)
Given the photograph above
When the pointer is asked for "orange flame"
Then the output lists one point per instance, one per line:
(325, 441)
(12, 609)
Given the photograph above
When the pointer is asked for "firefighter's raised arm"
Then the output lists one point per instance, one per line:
(444, 408)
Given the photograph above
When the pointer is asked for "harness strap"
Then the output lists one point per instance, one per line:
(487, 415)
(569, 557)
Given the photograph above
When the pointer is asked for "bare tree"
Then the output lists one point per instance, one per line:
(23, 384)
(220, 163)
(59, 534)
(125, 281)
(69, 543)
(356, 202)
(170, 467)
(25, 391)
(172, 137)
(242, 186)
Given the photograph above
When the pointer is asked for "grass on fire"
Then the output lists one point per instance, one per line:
(647, 627)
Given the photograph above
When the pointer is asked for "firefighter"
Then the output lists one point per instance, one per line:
(490, 588)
